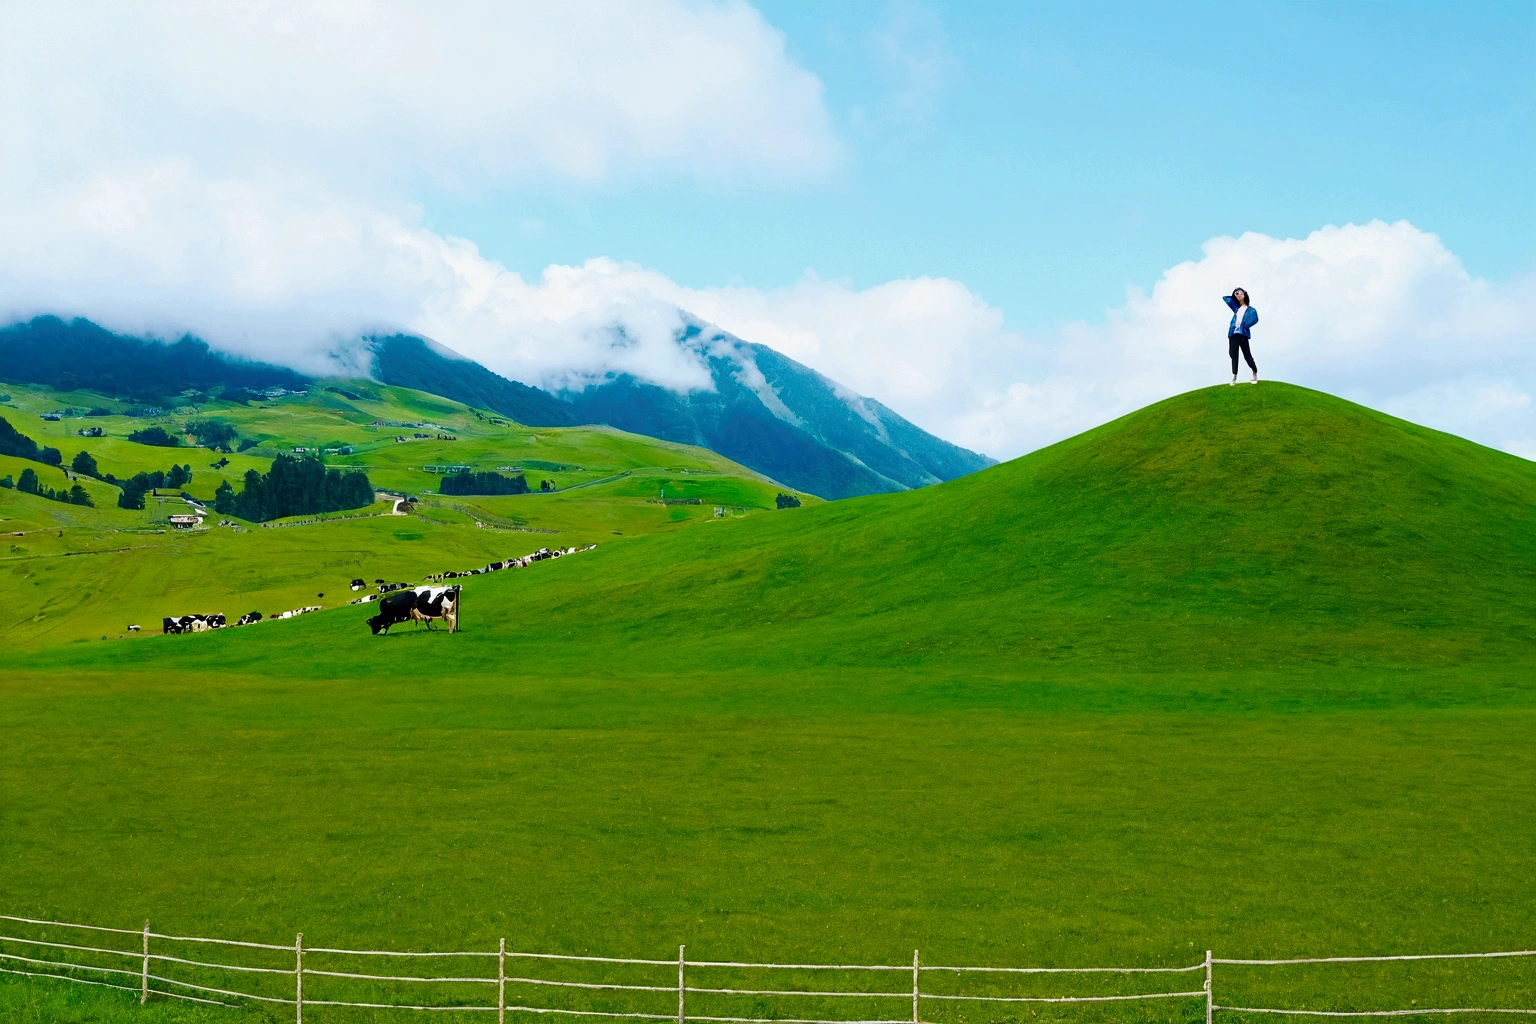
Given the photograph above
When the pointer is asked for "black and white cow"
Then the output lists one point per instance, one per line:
(433, 603)
(357, 584)
(249, 618)
(191, 623)
(394, 609)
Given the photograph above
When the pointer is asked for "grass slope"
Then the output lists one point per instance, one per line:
(1249, 670)
(83, 573)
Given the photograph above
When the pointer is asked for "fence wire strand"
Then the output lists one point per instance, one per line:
(1068, 970)
(1374, 959)
(221, 991)
(222, 967)
(1066, 999)
(66, 945)
(60, 963)
(1363, 1013)
(65, 924)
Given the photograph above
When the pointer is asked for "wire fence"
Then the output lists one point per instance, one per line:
(228, 972)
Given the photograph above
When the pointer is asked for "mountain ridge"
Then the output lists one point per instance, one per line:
(763, 409)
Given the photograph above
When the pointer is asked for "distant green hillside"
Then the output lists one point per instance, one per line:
(1225, 528)
(88, 572)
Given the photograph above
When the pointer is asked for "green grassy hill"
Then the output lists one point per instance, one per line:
(1251, 669)
(1227, 528)
(88, 572)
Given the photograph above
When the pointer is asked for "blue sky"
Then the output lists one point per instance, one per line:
(1049, 155)
(1007, 222)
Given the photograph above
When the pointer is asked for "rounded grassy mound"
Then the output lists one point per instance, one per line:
(1224, 528)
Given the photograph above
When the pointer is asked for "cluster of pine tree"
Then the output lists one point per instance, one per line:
(135, 486)
(467, 482)
(294, 487)
(28, 483)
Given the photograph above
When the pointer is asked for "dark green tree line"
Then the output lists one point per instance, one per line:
(156, 436)
(28, 483)
(467, 482)
(294, 487)
(21, 446)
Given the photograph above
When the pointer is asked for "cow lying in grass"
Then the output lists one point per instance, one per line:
(420, 606)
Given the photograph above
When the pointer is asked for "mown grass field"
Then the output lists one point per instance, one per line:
(1250, 670)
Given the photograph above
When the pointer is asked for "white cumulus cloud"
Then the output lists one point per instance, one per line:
(385, 90)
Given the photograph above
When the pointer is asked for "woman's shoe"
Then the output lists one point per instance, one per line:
(1232, 381)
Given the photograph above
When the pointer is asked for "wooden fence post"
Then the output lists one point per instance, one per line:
(914, 987)
(1209, 1005)
(681, 960)
(501, 983)
(298, 978)
(144, 978)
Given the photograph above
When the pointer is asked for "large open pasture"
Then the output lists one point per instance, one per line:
(1250, 670)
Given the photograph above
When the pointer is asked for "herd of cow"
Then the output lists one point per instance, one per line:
(398, 602)
(201, 623)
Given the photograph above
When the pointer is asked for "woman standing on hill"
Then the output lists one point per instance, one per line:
(1244, 316)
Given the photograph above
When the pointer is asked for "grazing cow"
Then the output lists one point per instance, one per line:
(192, 623)
(393, 610)
(248, 618)
(357, 584)
(434, 603)
(133, 629)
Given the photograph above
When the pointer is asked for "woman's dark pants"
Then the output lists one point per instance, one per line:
(1235, 342)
